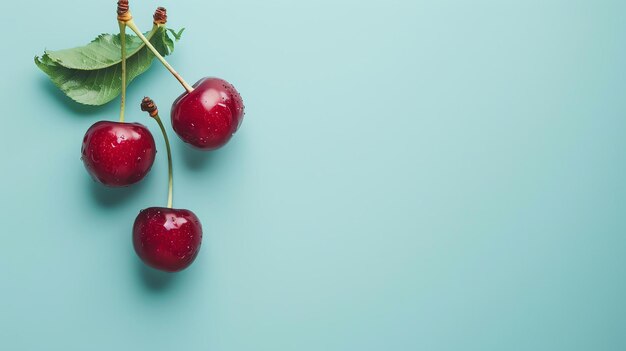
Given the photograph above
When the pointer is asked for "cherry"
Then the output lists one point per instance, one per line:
(118, 154)
(208, 116)
(166, 238)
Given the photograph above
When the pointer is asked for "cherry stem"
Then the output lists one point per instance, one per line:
(131, 24)
(170, 171)
(123, 46)
(148, 105)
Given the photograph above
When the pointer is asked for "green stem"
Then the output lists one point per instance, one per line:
(170, 187)
(148, 36)
(123, 45)
(131, 24)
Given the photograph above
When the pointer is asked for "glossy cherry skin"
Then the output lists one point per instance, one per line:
(208, 117)
(167, 239)
(118, 154)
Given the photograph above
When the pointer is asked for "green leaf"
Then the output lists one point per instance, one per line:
(102, 52)
(91, 74)
(178, 34)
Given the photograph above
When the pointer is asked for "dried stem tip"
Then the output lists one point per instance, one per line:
(123, 12)
(122, 7)
(160, 15)
(148, 105)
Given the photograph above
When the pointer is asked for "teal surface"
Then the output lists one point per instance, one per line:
(410, 175)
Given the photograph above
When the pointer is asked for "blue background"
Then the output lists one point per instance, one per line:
(434, 175)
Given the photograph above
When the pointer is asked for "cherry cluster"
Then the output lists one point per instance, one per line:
(120, 154)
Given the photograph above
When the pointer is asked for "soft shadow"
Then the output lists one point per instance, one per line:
(62, 99)
(111, 197)
(153, 279)
(197, 160)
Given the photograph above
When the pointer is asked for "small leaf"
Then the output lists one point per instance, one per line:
(91, 74)
(178, 34)
(168, 42)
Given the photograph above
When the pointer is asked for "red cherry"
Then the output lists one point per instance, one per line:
(167, 239)
(118, 154)
(208, 116)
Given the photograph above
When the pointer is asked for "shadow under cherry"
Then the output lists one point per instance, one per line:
(107, 197)
(155, 280)
(197, 160)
